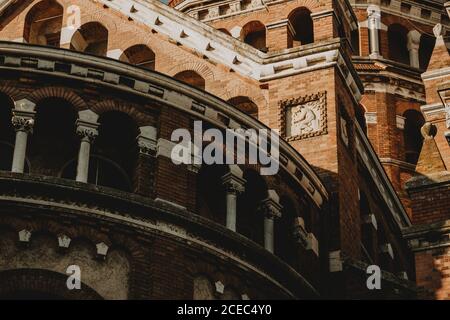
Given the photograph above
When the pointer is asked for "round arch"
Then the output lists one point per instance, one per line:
(91, 37)
(254, 34)
(41, 284)
(43, 23)
(302, 24)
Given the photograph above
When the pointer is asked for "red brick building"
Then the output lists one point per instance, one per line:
(92, 92)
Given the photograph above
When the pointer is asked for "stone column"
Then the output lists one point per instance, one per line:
(23, 121)
(413, 48)
(374, 25)
(87, 129)
(272, 210)
(234, 185)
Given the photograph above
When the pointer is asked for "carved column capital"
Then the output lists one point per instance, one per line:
(271, 207)
(87, 126)
(23, 120)
(87, 131)
(233, 184)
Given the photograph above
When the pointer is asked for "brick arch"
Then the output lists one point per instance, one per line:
(58, 92)
(42, 281)
(311, 5)
(235, 89)
(102, 19)
(112, 105)
(201, 68)
(12, 91)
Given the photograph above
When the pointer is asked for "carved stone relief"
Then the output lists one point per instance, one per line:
(304, 117)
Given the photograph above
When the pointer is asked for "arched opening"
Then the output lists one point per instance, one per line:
(245, 105)
(250, 220)
(224, 31)
(211, 196)
(43, 24)
(113, 154)
(115, 151)
(426, 48)
(397, 43)
(54, 141)
(302, 24)
(41, 284)
(254, 34)
(412, 136)
(7, 134)
(139, 55)
(285, 243)
(92, 38)
(192, 78)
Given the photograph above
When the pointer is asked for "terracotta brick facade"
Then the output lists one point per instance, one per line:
(349, 173)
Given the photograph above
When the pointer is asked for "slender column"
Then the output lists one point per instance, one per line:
(23, 121)
(87, 129)
(272, 210)
(234, 185)
(413, 48)
(374, 25)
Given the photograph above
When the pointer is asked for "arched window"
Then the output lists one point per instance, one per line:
(211, 194)
(139, 55)
(117, 150)
(54, 141)
(203, 289)
(285, 243)
(7, 135)
(224, 31)
(412, 136)
(397, 43)
(250, 220)
(302, 24)
(92, 38)
(113, 155)
(43, 24)
(245, 105)
(192, 78)
(426, 47)
(254, 34)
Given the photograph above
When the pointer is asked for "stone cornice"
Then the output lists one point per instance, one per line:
(158, 88)
(434, 74)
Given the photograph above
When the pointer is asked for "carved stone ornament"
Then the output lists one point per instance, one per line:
(87, 132)
(233, 184)
(22, 123)
(304, 117)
